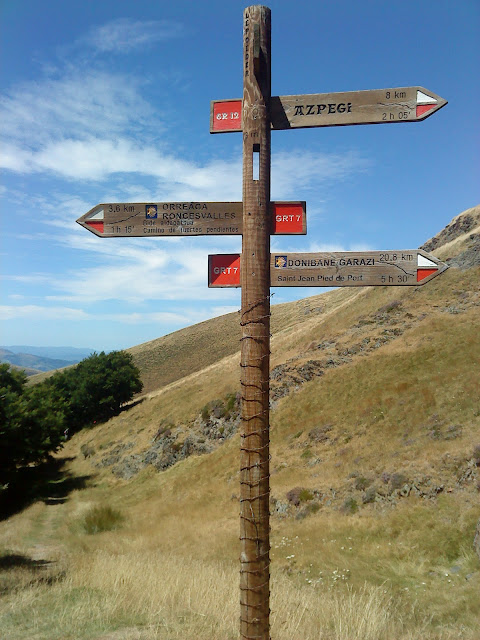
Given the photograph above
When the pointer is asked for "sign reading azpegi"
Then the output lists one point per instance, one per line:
(141, 219)
(348, 269)
(377, 106)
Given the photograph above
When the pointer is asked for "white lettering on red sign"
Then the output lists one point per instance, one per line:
(218, 270)
(234, 115)
(288, 218)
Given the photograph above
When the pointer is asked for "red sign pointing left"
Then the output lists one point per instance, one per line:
(157, 219)
(224, 270)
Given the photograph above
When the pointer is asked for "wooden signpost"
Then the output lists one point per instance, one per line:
(378, 106)
(255, 322)
(256, 115)
(141, 219)
(334, 269)
(256, 218)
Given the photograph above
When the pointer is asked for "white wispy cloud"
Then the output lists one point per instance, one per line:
(178, 179)
(78, 105)
(36, 312)
(138, 275)
(123, 35)
(83, 126)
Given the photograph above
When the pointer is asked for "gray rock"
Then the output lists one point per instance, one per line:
(463, 224)
(476, 540)
(128, 467)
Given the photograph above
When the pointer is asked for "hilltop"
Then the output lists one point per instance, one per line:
(375, 450)
(35, 360)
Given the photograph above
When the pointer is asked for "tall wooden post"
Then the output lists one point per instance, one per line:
(255, 352)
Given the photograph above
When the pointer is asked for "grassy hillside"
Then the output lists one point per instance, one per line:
(374, 490)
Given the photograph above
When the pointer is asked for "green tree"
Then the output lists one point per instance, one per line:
(97, 387)
(33, 419)
(31, 422)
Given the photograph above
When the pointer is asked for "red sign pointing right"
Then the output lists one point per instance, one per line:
(377, 106)
(347, 269)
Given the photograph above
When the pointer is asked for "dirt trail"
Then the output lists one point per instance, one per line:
(46, 547)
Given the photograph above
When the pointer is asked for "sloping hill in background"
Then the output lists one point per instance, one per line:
(29, 361)
(375, 446)
(189, 350)
(312, 338)
(70, 354)
(192, 349)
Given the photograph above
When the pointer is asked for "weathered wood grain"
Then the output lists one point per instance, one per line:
(157, 219)
(334, 269)
(376, 106)
(255, 320)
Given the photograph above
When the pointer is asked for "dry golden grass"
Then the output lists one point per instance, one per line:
(391, 571)
(171, 596)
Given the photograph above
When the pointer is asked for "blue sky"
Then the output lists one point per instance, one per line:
(109, 101)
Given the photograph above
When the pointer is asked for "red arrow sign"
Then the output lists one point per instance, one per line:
(348, 269)
(142, 219)
(377, 106)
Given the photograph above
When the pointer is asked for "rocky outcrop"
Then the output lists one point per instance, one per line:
(476, 540)
(468, 258)
(464, 223)
(218, 421)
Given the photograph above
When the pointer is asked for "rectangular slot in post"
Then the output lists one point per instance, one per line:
(256, 162)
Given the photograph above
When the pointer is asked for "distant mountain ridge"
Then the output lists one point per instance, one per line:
(73, 354)
(42, 358)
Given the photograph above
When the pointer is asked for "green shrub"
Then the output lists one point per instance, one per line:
(362, 483)
(298, 495)
(369, 495)
(305, 495)
(308, 453)
(101, 518)
(231, 401)
(350, 506)
(397, 480)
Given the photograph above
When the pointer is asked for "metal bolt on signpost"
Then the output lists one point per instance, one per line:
(255, 321)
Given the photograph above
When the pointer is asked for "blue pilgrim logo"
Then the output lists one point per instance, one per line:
(280, 262)
(150, 211)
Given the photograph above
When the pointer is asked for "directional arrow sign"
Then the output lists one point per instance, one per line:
(141, 219)
(348, 269)
(401, 104)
